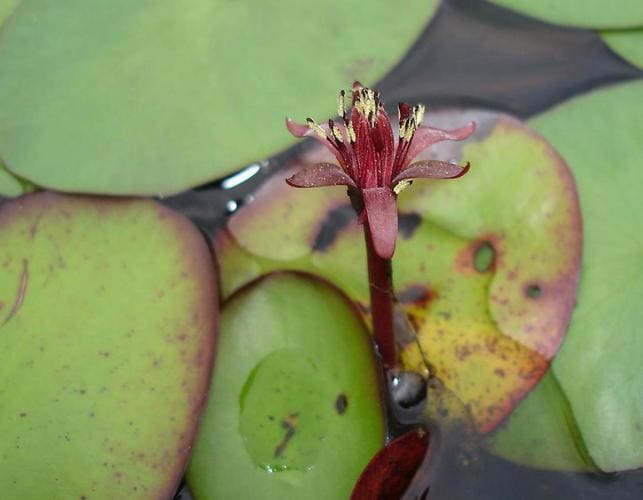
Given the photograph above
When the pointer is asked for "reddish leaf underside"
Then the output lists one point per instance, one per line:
(391, 470)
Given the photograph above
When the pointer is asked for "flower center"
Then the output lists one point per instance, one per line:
(364, 143)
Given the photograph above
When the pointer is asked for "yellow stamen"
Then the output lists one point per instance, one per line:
(418, 114)
(315, 127)
(403, 129)
(401, 186)
(341, 107)
(351, 132)
(365, 104)
(337, 134)
(409, 129)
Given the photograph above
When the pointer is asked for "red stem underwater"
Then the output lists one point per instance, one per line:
(380, 281)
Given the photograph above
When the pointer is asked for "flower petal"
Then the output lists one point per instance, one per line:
(381, 211)
(303, 130)
(320, 174)
(431, 169)
(299, 129)
(426, 136)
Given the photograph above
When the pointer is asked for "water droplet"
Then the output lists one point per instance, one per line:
(408, 389)
(282, 413)
(231, 206)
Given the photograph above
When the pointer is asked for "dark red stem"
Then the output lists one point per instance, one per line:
(380, 281)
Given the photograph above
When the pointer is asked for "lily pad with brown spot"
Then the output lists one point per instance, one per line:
(294, 408)
(107, 321)
(488, 324)
(598, 368)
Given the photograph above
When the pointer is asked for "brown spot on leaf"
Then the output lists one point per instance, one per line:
(341, 403)
(484, 257)
(418, 295)
(33, 230)
(481, 255)
(337, 219)
(533, 291)
(462, 352)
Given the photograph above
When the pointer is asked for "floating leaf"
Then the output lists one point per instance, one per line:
(9, 185)
(156, 96)
(294, 408)
(627, 43)
(588, 14)
(598, 367)
(391, 470)
(107, 317)
(542, 432)
(6, 8)
(484, 330)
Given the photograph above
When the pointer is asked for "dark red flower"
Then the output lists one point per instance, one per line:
(373, 166)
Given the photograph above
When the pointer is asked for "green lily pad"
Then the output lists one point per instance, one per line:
(487, 337)
(542, 432)
(627, 43)
(294, 408)
(107, 318)
(6, 9)
(156, 96)
(598, 367)
(9, 185)
(585, 14)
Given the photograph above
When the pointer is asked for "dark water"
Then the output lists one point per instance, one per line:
(473, 54)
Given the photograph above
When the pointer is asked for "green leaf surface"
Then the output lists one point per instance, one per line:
(627, 43)
(6, 8)
(294, 408)
(584, 13)
(543, 432)
(9, 185)
(107, 318)
(489, 340)
(156, 96)
(599, 365)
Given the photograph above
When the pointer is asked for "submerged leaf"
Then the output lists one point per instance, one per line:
(107, 319)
